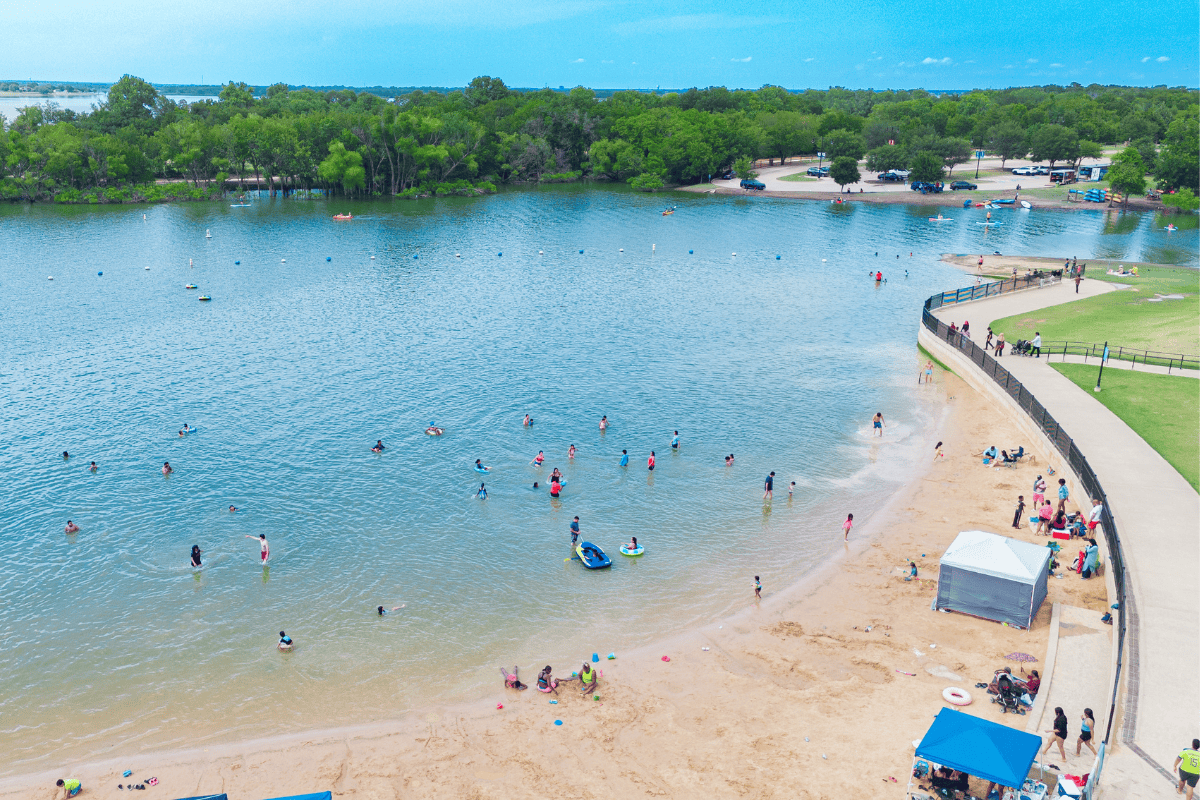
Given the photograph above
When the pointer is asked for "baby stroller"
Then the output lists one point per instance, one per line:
(1006, 691)
(1022, 347)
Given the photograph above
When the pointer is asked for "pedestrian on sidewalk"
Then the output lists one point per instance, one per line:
(1020, 512)
(1188, 764)
(987, 345)
(1078, 278)
(1086, 723)
(1059, 734)
(1037, 344)
(1000, 345)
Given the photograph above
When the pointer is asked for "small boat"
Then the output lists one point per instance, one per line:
(190, 286)
(940, 218)
(592, 556)
(668, 212)
(1004, 201)
(205, 298)
(433, 430)
(980, 205)
(207, 234)
(625, 551)
(1026, 204)
(1171, 228)
(989, 224)
(343, 216)
(239, 205)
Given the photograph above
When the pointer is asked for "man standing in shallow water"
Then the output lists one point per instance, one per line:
(768, 487)
(877, 422)
(264, 548)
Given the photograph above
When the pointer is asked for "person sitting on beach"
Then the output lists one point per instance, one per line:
(72, 785)
(588, 677)
(1005, 458)
(285, 642)
(511, 681)
(71, 527)
(196, 555)
(1032, 684)
(378, 448)
(1059, 523)
(546, 682)
(912, 571)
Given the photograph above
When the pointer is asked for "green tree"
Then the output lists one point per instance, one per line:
(131, 102)
(842, 142)
(744, 168)
(788, 133)
(1127, 174)
(239, 95)
(1054, 143)
(844, 171)
(926, 166)
(1007, 139)
(342, 167)
(485, 89)
(886, 157)
(1183, 200)
(1178, 163)
(954, 151)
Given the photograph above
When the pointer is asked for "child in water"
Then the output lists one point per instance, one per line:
(633, 545)
(757, 588)
(381, 610)
(482, 493)
(285, 642)
(624, 458)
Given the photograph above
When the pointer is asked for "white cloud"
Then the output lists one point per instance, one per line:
(742, 60)
(1147, 58)
(1031, 61)
(577, 61)
(904, 64)
(928, 60)
(1056, 65)
(1007, 66)
(1162, 59)
(807, 60)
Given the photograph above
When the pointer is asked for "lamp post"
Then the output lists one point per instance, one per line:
(1100, 374)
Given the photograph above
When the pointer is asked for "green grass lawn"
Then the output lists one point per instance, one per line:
(799, 176)
(1126, 317)
(1162, 409)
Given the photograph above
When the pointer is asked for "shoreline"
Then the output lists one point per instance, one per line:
(793, 668)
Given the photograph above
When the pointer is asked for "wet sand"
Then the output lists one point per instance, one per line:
(794, 696)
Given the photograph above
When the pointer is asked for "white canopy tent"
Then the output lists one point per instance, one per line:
(994, 577)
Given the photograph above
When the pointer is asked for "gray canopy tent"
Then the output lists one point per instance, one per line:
(994, 577)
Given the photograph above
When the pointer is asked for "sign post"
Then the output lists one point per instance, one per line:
(1100, 374)
(978, 156)
(820, 156)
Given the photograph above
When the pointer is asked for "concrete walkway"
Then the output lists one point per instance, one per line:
(1158, 516)
(1118, 364)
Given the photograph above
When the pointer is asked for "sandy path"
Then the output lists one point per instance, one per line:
(794, 698)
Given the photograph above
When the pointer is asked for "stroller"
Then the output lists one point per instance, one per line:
(1022, 347)
(1006, 691)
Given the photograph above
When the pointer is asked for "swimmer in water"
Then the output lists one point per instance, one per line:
(482, 493)
(675, 441)
(574, 530)
(555, 487)
(650, 461)
(731, 459)
(186, 429)
(633, 545)
(264, 548)
(183, 433)
(791, 490)
(479, 466)
(624, 458)
(555, 475)
(604, 423)
(571, 451)
(535, 484)
(728, 460)
(93, 467)
(232, 509)
(378, 448)
(66, 455)
(71, 527)
(285, 642)
(166, 470)
(196, 555)
(877, 422)
(527, 421)
(539, 458)
(381, 610)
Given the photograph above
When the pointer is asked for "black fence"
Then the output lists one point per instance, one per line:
(993, 288)
(1152, 357)
(1063, 442)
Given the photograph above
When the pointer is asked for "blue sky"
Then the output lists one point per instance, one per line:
(607, 43)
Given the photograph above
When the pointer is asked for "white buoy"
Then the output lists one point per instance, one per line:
(735, 254)
(283, 261)
(539, 252)
(372, 258)
(622, 249)
(458, 255)
(824, 259)
(49, 277)
(145, 268)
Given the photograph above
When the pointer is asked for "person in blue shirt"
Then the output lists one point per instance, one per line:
(624, 458)
(575, 530)
(1063, 493)
(675, 441)
(482, 493)
(285, 641)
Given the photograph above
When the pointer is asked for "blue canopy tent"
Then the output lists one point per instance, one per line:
(315, 796)
(208, 797)
(980, 748)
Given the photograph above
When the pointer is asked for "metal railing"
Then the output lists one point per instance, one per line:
(1064, 444)
(993, 288)
(1150, 357)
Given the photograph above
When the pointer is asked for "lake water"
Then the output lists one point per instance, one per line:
(80, 103)
(112, 644)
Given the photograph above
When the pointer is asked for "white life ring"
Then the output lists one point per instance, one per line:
(957, 697)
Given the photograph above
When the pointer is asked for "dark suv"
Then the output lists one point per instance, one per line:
(753, 184)
(818, 172)
(924, 187)
(954, 187)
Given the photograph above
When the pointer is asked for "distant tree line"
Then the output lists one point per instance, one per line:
(471, 140)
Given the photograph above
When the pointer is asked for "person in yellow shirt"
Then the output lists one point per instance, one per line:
(74, 787)
(587, 677)
(1188, 764)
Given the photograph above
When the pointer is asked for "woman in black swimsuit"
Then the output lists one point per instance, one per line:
(1060, 732)
(196, 555)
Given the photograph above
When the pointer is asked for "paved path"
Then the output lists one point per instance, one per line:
(1114, 363)
(1158, 516)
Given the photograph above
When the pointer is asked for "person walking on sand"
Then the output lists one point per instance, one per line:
(264, 548)
(768, 487)
(1188, 765)
(847, 525)
(1063, 493)
(1059, 733)
(757, 588)
(877, 422)
(928, 372)
(1086, 723)
(1020, 512)
(650, 461)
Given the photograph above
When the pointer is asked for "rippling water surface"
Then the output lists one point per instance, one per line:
(296, 367)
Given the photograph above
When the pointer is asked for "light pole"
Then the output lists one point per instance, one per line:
(1100, 374)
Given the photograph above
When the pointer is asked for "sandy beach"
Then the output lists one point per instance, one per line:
(806, 694)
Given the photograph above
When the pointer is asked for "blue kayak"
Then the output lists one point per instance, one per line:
(591, 556)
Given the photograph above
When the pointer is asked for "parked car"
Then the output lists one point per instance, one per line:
(924, 187)
(818, 172)
(890, 177)
(753, 184)
(727, 176)
(1025, 171)
(954, 187)
(1040, 170)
